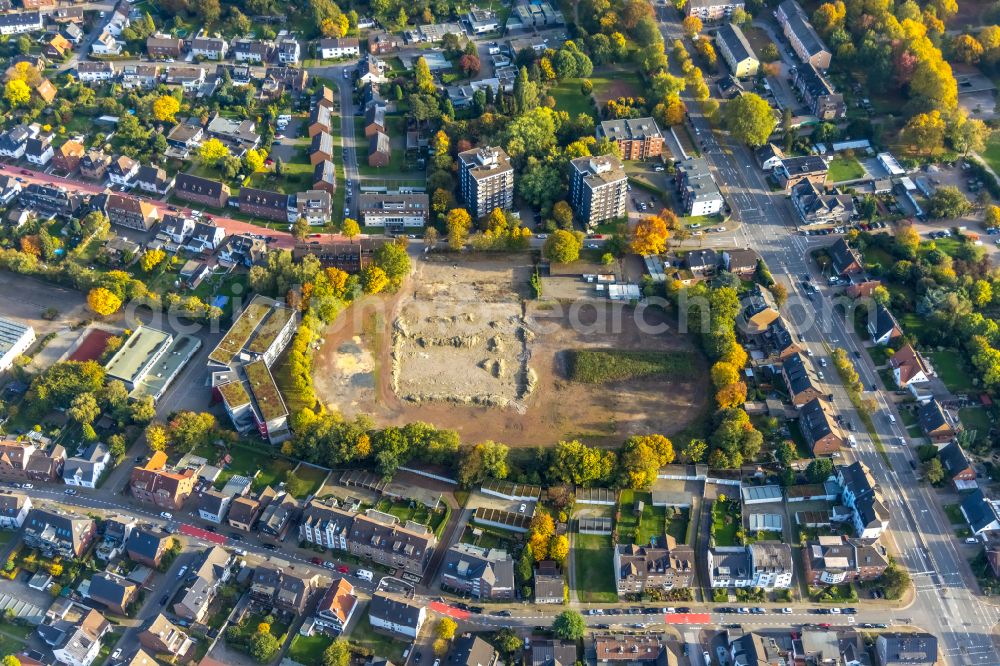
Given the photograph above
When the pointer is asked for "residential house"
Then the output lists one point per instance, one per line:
(113, 591)
(14, 509)
(30, 459)
(238, 135)
(38, 151)
(814, 206)
(67, 156)
(640, 569)
(471, 650)
(278, 516)
(702, 262)
(802, 385)
(732, 44)
(758, 312)
(57, 47)
(264, 204)
(16, 23)
(820, 429)
(186, 135)
(201, 190)
(696, 187)
(210, 48)
(147, 546)
(10, 189)
(64, 534)
(14, 141)
(178, 229)
(370, 70)
(117, 530)
(936, 423)
(187, 78)
(860, 493)
(324, 176)
(755, 649)
(399, 617)
(212, 506)
(794, 170)
(380, 42)
(131, 212)
(289, 52)
(106, 45)
(712, 10)
(161, 636)
(728, 568)
(315, 206)
(982, 514)
(76, 643)
(123, 170)
(283, 590)
(907, 649)
(203, 584)
(771, 564)
(92, 71)
(484, 573)
(632, 649)
(638, 138)
(343, 47)
(817, 93)
(844, 259)
(85, 470)
(337, 606)
(374, 120)
(957, 467)
(243, 513)
(548, 583)
(883, 327)
(832, 560)
(153, 179)
(349, 256)
(47, 200)
(546, 652)
(908, 367)
(164, 46)
(805, 42)
(156, 484)
(94, 165)
(769, 156)
(140, 76)
(741, 262)
(321, 149)
(253, 50)
(406, 547)
(379, 150)
(243, 250)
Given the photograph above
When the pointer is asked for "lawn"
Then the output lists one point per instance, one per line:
(640, 529)
(247, 461)
(954, 513)
(611, 83)
(594, 580)
(570, 98)
(677, 526)
(950, 367)
(597, 366)
(364, 635)
(396, 129)
(313, 475)
(418, 513)
(309, 649)
(296, 175)
(725, 523)
(845, 168)
(992, 153)
(976, 418)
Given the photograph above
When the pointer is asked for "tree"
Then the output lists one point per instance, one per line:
(440, 647)
(992, 220)
(373, 279)
(948, 202)
(142, 410)
(430, 237)
(651, 234)
(156, 437)
(17, 93)
(254, 160)
(165, 108)
(351, 228)
(924, 132)
(780, 293)
(509, 643)
(84, 409)
(559, 548)
(895, 580)
(908, 240)
(190, 430)
(116, 446)
(967, 49)
(103, 301)
(694, 450)
(151, 259)
(301, 229)
(750, 119)
(208, 11)
(562, 247)
(469, 64)
(569, 625)
(458, 222)
(10, 660)
(338, 653)
(785, 453)
(446, 628)
(423, 77)
(819, 470)
(968, 134)
(692, 26)
(934, 471)
(484, 460)
(263, 646)
(562, 213)
(212, 151)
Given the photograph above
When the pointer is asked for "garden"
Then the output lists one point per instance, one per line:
(594, 576)
(726, 522)
(415, 511)
(258, 635)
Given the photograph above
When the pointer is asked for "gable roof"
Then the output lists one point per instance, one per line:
(885, 322)
(908, 362)
(843, 256)
(932, 417)
(338, 601)
(816, 421)
(953, 460)
(797, 374)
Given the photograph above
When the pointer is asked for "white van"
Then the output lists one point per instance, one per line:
(284, 118)
(852, 441)
(364, 574)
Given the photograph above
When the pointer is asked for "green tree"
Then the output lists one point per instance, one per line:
(301, 229)
(749, 118)
(116, 446)
(948, 202)
(263, 646)
(84, 409)
(569, 625)
(393, 259)
(484, 460)
(142, 410)
(562, 247)
(694, 451)
(895, 580)
(934, 471)
(338, 653)
(190, 430)
(785, 453)
(819, 470)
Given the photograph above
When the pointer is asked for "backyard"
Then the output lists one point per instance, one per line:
(594, 580)
(313, 476)
(639, 529)
(950, 368)
(570, 98)
(248, 460)
(364, 635)
(309, 649)
(414, 511)
(726, 520)
(843, 168)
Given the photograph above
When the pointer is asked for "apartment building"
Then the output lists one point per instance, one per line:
(697, 189)
(484, 573)
(638, 138)
(640, 569)
(736, 51)
(486, 180)
(802, 36)
(713, 10)
(157, 484)
(598, 189)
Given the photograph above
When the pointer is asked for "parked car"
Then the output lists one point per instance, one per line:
(163, 514)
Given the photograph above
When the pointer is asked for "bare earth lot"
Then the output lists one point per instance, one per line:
(460, 337)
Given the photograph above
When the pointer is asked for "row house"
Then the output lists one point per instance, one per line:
(860, 493)
(14, 141)
(55, 532)
(315, 206)
(39, 151)
(14, 509)
(30, 459)
(253, 50)
(46, 200)
(177, 228)
(766, 564)
(92, 71)
(186, 77)
(205, 237)
(156, 484)
(640, 569)
(131, 212)
(203, 583)
(164, 46)
(94, 164)
(202, 191)
(243, 250)
(153, 179)
(343, 47)
(140, 76)
(283, 590)
(67, 157)
(17, 23)
(265, 204)
(210, 48)
(832, 560)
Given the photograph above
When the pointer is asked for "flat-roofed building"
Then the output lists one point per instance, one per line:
(15, 339)
(697, 188)
(150, 360)
(598, 189)
(395, 212)
(713, 10)
(486, 180)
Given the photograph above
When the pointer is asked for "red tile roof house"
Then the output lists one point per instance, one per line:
(157, 485)
(908, 368)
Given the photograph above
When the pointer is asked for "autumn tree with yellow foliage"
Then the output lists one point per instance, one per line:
(165, 108)
(103, 301)
(651, 233)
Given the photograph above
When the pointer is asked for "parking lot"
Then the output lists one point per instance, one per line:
(478, 499)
